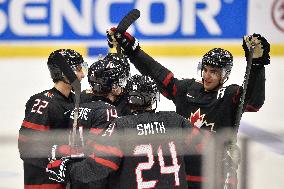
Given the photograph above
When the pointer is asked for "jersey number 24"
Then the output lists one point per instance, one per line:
(148, 150)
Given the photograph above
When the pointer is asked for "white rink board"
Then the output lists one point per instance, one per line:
(22, 78)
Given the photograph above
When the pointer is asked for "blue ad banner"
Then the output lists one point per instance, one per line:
(84, 20)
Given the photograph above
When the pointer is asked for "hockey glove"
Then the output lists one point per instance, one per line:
(128, 43)
(57, 170)
(110, 38)
(261, 50)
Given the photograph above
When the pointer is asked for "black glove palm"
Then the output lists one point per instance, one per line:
(60, 158)
(57, 170)
(262, 48)
(128, 43)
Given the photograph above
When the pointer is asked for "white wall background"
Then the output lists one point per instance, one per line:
(260, 19)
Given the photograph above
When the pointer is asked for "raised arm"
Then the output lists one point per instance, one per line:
(164, 78)
(255, 94)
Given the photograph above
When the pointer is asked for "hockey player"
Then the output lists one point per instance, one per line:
(117, 94)
(47, 112)
(206, 104)
(107, 77)
(142, 150)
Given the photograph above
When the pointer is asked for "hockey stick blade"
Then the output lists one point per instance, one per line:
(69, 73)
(124, 24)
(65, 68)
(127, 20)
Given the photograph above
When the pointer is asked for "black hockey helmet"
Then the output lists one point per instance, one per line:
(219, 58)
(73, 58)
(142, 91)
(112, 70)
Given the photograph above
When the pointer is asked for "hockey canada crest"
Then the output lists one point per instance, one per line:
(198, 120)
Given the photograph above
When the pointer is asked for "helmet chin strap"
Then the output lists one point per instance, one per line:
(65, 80)
(221, 84)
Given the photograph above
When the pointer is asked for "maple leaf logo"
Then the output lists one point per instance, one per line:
(48, 94)
(197, 120)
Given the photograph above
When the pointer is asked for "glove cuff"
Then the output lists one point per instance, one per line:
(265, 58)
(260, 62)
(133, 52)
(132, 47)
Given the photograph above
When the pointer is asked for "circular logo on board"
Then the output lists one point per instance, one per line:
(277, 14)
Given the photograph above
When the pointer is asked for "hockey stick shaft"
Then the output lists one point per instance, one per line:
(233, 138)
(77, 89)
(76, 85)
(245, 84)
